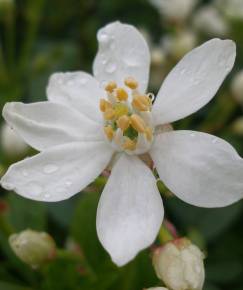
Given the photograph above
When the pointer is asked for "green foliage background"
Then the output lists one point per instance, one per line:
(39, 37)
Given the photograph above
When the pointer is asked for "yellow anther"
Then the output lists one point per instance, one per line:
(141, 103)
(104, 105)
(149, 133)
(138, 123)
(121, 94)
(123, 122)
(110, 86)
(109, 114)
(120, 110)
(129, 144)
(109, 132)
(131, 83)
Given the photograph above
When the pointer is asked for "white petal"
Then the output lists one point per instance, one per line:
(199, 168)
(58, 173)
(194, 80)
(78, 90)
(122, 52)
(130, 210)
(43, 125)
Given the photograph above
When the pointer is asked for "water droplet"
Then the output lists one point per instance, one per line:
(183, 71)
(214, 140)
(84, 81)
(50, 168)
(47, 196)
(25, 173)
(104, 61)
(103, 37)
(68, 183)
(151, 96)
(33, 189)
(70, 83)
(111, 67)
(192, 135)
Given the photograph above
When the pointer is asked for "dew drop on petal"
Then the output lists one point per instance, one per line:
(50, 168)
(25, 173)
(47, 196)
(111, 67)
(84, 81)
(183, 71)
(214, 140)
(103, 37)
(33, 189)
(192, 135)
(68, 183)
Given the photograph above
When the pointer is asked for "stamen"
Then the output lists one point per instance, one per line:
(109, 114)
(138, 123)
(131, 83)
(110, 86)
(121, 94)
(128, 123)
(129, 144)
(149, 133)
(123, 122)
(109, 132)
(104, 105)
(120, 110)
(141, 103)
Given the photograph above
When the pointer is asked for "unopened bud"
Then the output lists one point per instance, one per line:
(33, 248)
(11, 142)
(237, 87)
(179, 264)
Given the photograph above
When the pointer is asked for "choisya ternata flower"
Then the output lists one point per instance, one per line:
(87, 120)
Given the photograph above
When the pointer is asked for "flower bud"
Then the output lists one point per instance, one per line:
(208, 20)
(175, 10)
(179, 264)
(33, 248)
(237, 87)
(11, 143)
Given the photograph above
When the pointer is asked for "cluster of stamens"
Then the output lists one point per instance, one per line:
(127, 117)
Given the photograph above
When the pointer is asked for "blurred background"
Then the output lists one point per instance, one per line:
(39, 37)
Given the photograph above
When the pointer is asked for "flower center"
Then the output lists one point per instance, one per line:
(127, 117)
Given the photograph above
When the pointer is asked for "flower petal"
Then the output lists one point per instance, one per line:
(58, 173)
(194, 80)
(130, 210)
(122, 52)
(199, 168)
(78, 90)
(43, 125)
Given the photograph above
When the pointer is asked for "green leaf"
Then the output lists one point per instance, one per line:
(210, 222)
(25, 213)
(83, 230)
(9, 286)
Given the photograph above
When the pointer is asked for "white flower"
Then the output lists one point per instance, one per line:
(11, 142)
(237, 86)
(69, 130)
(175, 10)
(232, 8)
(179, 43)
(179, 264)
(209, 20)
